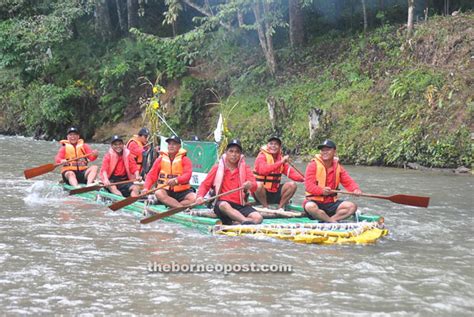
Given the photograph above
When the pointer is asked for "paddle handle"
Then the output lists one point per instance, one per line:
(173, 211)
(120, 183)
(296, 169)
(130, 200)
(362, 195)
(74, 159)
(96, 187)
(220, 195)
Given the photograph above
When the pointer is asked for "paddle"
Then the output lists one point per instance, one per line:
(130, 200)
(418, 201)
(173, 211)
(43, 169)
(96, 187)
(296, 169)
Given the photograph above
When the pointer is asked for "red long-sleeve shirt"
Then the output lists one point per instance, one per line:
(263, 168)
(135, 149)
(61, 155)
(154, 173)
(231, 180)
(344, 178)
(120, 167)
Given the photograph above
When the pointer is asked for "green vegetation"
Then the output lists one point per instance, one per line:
(386, 99)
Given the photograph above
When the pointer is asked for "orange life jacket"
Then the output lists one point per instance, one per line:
(139, 158)
(114, 158)
(272, 181)
(73, 152)
(172, 169)
(321, 177)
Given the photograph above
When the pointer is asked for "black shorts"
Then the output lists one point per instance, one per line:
(80, 176)
(226, 220)
(180, 196)
(123, 188)
(330, 209)
(272, 198)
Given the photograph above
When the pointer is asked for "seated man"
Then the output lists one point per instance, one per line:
(137, 144)
(173, 169)
(230, 173)
(76, 171)
(270, 164)
(119, 165)
(324, 174)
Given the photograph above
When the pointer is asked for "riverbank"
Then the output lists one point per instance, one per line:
(385, 100)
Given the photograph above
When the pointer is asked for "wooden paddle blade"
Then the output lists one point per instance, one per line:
(40, 170)
(165, 214)
(123, 203)
(84, 189)
(418, 201)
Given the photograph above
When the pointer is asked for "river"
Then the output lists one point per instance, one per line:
(63, 255)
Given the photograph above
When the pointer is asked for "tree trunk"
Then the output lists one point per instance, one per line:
(313, 120)
(103, 23)
(121, 16)
(271, 111)
(411, 10)
(296, 23)
(427, 9)
(132, 11)
(364, 11)
(240, 18)
(264, 36)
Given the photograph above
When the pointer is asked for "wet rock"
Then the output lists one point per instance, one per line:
(462, 170)
(414, 166)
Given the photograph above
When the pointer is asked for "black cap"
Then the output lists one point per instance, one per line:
(116, 138)
(327, 143)
(144, 131)
(173, 138)
(72, 129)
(235, 142)
(274, 137)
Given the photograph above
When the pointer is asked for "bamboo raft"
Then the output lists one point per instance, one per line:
(290, 225)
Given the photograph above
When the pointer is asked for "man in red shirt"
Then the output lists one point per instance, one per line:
(269, 167)
(230, 173)
(173, 169)
(75, 172)
(119, 165)
(323, 175)
(137, 144)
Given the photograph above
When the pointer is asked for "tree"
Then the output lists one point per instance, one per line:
(103, 24)
(266, 13)
(132, 13)
(171, 16)
(411, 10)
(296, 23)
(364, 12)
(265, 32)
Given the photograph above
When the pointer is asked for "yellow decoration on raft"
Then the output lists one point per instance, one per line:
(155, 104)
